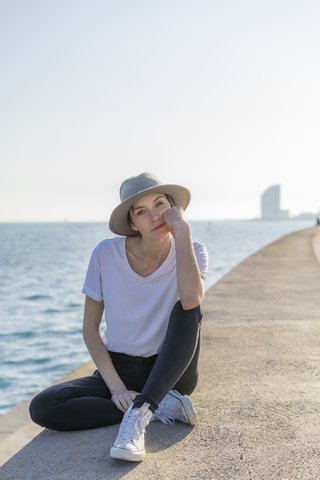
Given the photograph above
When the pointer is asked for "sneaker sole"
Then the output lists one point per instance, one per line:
(123, 454)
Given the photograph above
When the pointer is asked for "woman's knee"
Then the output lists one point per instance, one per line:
(41, 407)
(185, 386)
(192, 314)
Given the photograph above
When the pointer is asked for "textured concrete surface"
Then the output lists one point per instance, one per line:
(280, 281)
(316, 244)
(258, 399)
(16, 427)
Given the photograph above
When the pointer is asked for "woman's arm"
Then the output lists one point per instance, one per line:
(190, 282)
(91, 321)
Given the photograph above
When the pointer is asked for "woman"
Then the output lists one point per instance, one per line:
(150, 282)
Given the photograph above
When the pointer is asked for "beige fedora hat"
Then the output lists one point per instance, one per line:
(137, 187)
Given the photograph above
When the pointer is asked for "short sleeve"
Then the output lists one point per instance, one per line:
(92, 286)
(202, 258)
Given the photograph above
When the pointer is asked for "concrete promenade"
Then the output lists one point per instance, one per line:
(258, 399)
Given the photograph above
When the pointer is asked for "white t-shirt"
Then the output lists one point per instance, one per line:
(137, 309)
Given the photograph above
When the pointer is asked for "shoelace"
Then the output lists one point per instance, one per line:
(166, 418)
(134, 423)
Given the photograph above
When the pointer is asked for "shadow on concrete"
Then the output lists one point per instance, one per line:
(161, 437)
(56, 455)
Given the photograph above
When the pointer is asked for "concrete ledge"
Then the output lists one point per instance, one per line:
(16, 427)
(281, 281)
(258, 398)
(316, 244)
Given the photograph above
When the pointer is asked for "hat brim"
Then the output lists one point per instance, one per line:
(118, 223)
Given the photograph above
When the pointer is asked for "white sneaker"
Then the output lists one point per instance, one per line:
(175, 407)
(129, 444)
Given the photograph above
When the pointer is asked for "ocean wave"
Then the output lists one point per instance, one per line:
(37, 297)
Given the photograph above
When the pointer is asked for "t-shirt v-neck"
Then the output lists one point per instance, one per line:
(158, 271)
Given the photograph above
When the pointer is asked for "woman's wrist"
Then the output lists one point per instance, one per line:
(182, 227)
(116, 388)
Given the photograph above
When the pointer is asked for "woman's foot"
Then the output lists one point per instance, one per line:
(175, 407)
(129, 444)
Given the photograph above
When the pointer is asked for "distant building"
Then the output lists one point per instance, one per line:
(270, 205)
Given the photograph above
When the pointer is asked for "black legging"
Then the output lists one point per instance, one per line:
(86, 402)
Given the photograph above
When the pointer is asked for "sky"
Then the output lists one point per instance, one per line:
(221, 97)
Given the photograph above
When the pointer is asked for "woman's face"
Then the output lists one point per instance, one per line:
(147, 215)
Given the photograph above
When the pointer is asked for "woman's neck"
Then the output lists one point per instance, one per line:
(146, 257)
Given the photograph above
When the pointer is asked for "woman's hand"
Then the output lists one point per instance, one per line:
(123, 399)
(173, 217)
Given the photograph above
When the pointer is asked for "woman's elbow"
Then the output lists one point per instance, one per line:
(192, 297)
(191, 302)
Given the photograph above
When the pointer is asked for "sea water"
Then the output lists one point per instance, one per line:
(42, 270)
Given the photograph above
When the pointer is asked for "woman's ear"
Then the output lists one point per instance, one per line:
(130, 222)
(134, 227)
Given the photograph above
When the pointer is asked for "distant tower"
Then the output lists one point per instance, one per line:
(270, 205)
